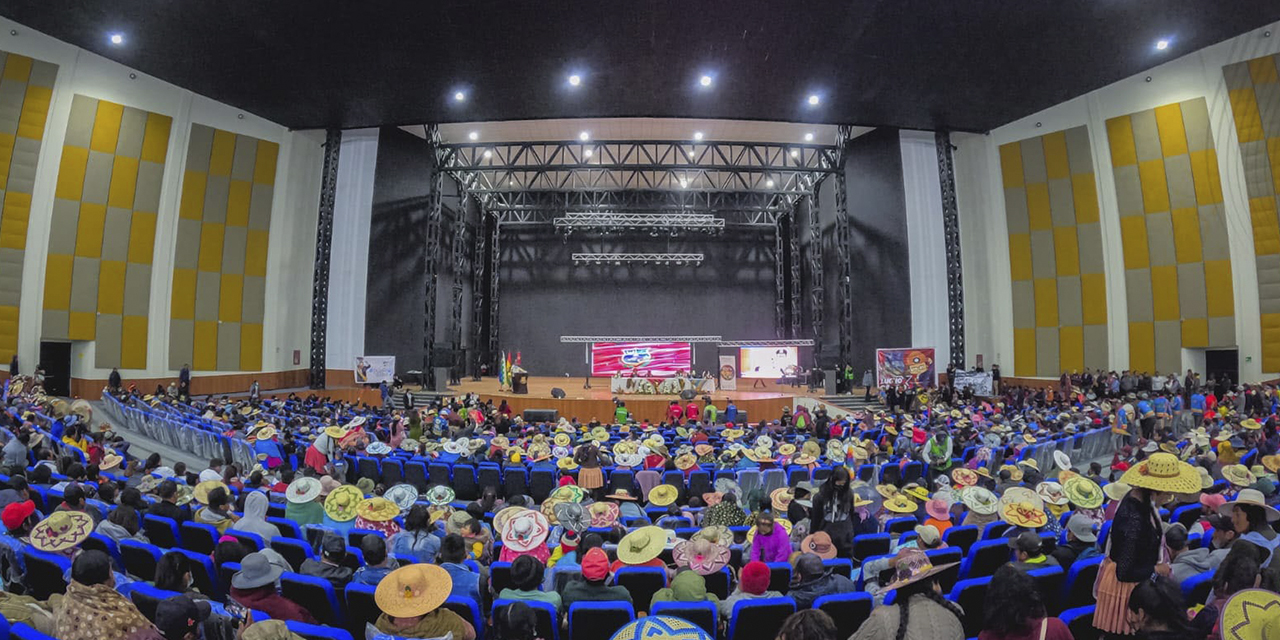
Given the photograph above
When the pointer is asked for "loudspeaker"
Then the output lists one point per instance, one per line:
(742, 418)
(442, 379)
(688, 394)
(541, 415)
(557, 392)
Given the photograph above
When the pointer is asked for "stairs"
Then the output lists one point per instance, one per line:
(853, 402)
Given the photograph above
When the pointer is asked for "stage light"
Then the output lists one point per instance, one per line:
(459, 96)
(697, 135)
(587, 153)
(575, 79)
(705, 81)
(684, 184)
(584, 136)
(814, 100)
(769, 183)
(808, 137)
(1162, 44)
(474, 135)
(488, 153)
(794, 153)
(117, 39)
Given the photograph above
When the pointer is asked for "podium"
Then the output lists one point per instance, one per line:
(520, 383)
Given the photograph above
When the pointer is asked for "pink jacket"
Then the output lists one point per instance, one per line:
(775, 547)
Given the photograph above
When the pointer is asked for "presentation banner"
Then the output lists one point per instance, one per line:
(905, 366)
(728, 373)
(658, 359)
(978, 381)
(769, 363)
(375, 369)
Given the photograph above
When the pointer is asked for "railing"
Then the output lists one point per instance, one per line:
(173, 432)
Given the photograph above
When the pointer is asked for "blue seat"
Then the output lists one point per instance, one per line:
(499, 576)
(317, 632)
(842, 566)
(198, 537)
(759, 619)
(874, 544)
(515, 481)
(367, 467)
(897, 526)
(1195, 590)
(362, 609)
(1079, 621)
(548, 617)
(970, 595)
(962, 537)
(848, 610)
(779, 576)
(1049, 581)
(944, 556)
(22, 631)
(1187, 515)
(994, 530)
(467, 608)
(465, 484)
(592, 620)
(356, 536)
(704, 614)
(288, 528)
(99, 542)
(313, 594)
(642, 583)
(1103, 533)
(913, 471)
(146, 598)
(204, 574)
(415, 473)
(44, 573)
(700, 482)
(720, 582)
(439, 473)
(984, 558)
(867, 473)
(1077, 589)
(249, 539)
(542, 481)
(140, 559)
(294, 551)
(392, 472)
(161, 531)
(890, 473)
(489, 474)
(4, 627)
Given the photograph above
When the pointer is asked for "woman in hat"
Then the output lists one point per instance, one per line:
(324, 450)
(771, 543)
(834, 513)
(378, 514)
(918, 612)
(1251, 518)
(410, 599)
(590, 477)
(305, 499)
(217, 506)
(254, 586)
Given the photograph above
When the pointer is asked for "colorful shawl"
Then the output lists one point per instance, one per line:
(98, 612)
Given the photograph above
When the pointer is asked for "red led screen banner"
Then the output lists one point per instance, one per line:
(656, 359)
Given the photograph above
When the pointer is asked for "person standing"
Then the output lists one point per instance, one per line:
(184, 381)
(833, 511)
(868, 381)
(13, 367)
(255, 392)
(113, 380)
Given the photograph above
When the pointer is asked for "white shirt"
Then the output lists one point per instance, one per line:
(210, 474)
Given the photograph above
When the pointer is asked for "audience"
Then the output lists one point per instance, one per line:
(377, 564)
(1013, 610)
(92, 609)
(919, 611)
(753, 584)
(254, 586)
(331, 565)
(526, 582)
(592, 586)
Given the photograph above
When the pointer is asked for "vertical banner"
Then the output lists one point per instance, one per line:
(728, 373)
(905, 366)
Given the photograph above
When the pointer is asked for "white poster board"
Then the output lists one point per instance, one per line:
(978, 381)
(728, 372)
(375, 369)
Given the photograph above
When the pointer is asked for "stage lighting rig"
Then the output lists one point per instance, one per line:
(619, 259)
(655, 223)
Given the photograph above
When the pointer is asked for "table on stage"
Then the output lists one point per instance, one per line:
(661, 386)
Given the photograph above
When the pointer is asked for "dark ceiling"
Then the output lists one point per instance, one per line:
(967, 65)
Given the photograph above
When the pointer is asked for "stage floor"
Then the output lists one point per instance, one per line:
(540, 387)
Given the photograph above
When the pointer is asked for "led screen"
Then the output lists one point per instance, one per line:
(768, 362)
(648, 358)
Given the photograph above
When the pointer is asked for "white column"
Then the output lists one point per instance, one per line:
(349, 255)
(926, 244)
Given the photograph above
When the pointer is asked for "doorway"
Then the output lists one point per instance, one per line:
(55, 358)
(1222, 361)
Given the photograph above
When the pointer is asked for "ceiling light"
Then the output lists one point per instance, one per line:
(584, 136)
(587, 153)
(813, 100)
(575, 79)
(769, 183)
(1161, 45)
(697, 135)
(117, 38)
(474, 135)
(459, 96)
(684, 184)
(511, 183)
(794, 153)
(705, 81)
(808, 137)
(488, 153)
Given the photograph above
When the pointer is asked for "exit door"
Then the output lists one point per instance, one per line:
(1222, 361)
(55, 358)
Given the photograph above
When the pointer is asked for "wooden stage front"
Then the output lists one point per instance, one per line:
(597, 402)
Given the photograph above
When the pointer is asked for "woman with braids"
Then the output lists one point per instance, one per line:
(1013, 610)
(919, 611)
(833, 511)
(808, 624)
(1156, 610)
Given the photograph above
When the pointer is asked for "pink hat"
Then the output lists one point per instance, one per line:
(1212, 501)
(938, 508)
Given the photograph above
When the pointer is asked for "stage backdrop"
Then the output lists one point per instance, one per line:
(905, 366)
(646, 358)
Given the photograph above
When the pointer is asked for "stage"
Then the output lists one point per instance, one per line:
(597, 402)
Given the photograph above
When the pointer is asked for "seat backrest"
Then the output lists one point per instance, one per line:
(562, 578)
(367, 468)
(993, 530)
(700, 483)
(499, 576)
(548, 617)
(970, 595)
(314, 594)
(939, 557)
(842, 566)
(146, 598)
(288, 528)
(415, 473)
(1049, 581)
(464, 482)
(719, 583)
(489, 475)
(392, 472)
(1078, 588)
(962, 537)
(249, 539)
(199, 537)
(317, 632)
(703, 614)
(873, 544)
(779, 576)
(985, 557)
(1079, 621)
(622, 479)
(362, 609)
(592, 620)
(515, 481)
(439, 473)
(226, 571)
(98, 542)
(897, 526)
(1195, 590)
(294, 551)
(140, 559)
(848, 610)
(759, 619)
(356, 536)
(642, 583)
(204, 574)
(541, 482)
(161, 531)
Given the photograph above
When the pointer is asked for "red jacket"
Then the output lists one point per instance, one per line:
(266, 600)
(692, 412)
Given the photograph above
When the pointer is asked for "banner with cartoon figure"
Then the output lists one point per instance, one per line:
(905, 366)
(375, 369)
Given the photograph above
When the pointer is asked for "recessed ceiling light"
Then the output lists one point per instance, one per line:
(794, 153)
(488, 153)
(769, 183)
(1162, 44)
(459, 96)
(587, 153)
(684, 183)
(808, 137)
(697, 135)
(584, 136)
(117, 38)
(813, 100)
(575, 79)
(705, 81)
(474, 135)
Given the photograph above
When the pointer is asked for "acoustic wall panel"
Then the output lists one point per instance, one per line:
(26, 91)
(98, 268)
(220, 264)
(1055, 250)
(1173, 234)
(1254, 89)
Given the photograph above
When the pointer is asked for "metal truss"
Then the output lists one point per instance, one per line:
(817, 279)
(590, 339)
(460, 267)
(673, 223)
(779, 280)
(434, 222)
(495, 264)
(638, 258)
(324, 246)
(951, 231)
(542, 207)
(844, 238)
(793, 271)
(766, 343)
(479, 293)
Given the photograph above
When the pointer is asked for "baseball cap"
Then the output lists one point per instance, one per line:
(16, 513)
(180, 615)
(595, 565)
(333, 546)
(1081, 527)
(1027, 541)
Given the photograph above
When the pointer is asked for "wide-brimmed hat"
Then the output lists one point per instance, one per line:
(716, 534)
(110, 461)
(303, 490)
(409, 444)
(1061, 460)
(1163, 472)
(900, 504)
(603, 514)
(568, 493)
(732, 434)
(256, 570)
(1030, 463)
(663, 495)
(702, 556)
(642, 545)
(1051, 493)
(980, 500)
(342, 502)
(413, 590)
(562, 439)
(365, 485)
(1251, 424)
(572, 517)
(1271, 463)
(1083, 492)
(377, 510)
(440, 495)
(835, 451)
(1250, 497)
(1116, 490)
(686, 461)
(202, 490)
(456, 521)
(703, 449)
(759, 454)
(938, 508)
(500, 518)
(62, 530)
(404, 495)
(525, 530)
(886, 490)
(964, 476)
(1238, 475)
(912, 565)
(336, 433)
(566, 463)
(148, 484)
(184, 495)
(1024, 514)
(622, 494)
(782, 497)
(1251, 614)
(1021, 494)
(1015, 473)
(378, 448)
(819, 544)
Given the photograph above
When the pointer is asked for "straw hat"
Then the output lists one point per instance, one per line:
(964, 476)
(1250, 497)
(342, 502)
(1251, 424)
(1238, 475)
(642, 545)
(184, 495)
(603, 514)
(984, 472)
(1030, 463)
(378, 448)
(938, 508)
(572, 517)
(777, 522)
(377, 510)
(568, 493)
(716, 534)
(562, 439)
(414, 590)
(900, 503)
(703, 449)
(404, 495)
(622, 494)
(702, 556)
(409, 444)
(760, 454)
(819, 544)
(440, 495)
(786, 449)
(1051, 493)
(686, 461)
(916, 491)
(1116, 490)
(365, 485)
(912, 565)
(1163, 472)
(886, 490)
(764, 441)
(525, 530)
(202, 490)
(661, 628)
(1024, 514)
(732, 434)
(663, 495)
(1015, 473)
(980, 500)
(500, 518)
(1251, 614)
(1061, 460)
(110, 461)
(303, 490)
(1021, 494)
(1271, 463)
(566, 463)
(61, 531)
(337, 433)
(1083, 492)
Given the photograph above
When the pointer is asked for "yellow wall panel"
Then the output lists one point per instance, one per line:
(1266, 228)
(1271, 342)
(230, 297)
(106, 127)
(1186, 235)
(71, 173)
(1019, 255)
(1011, 165)
(1195, 333)
(142, 237)
(155, 142)
(57, 282)
(1142, 346)
(1071, 348)
(211, 234)
(1024, 352)
(1217, 285)
(1084, 193)
(1244, 105)
(6, 158)
(1204, 173)
(13, 220)
(250, 347)
(1120, 138)
(111, 287)
(264, 167)
(183, 305)
(8, 331)
(238, 203)
(1164, 292)
(1066, 251)
(1155, 190)
(205, 346)
(17, 67)
(255, 254)
(192, 205)
(1133, 238)
(1046, 302)
(224, 148)
(1038, 206)
(1173, 135)
(1093, 296)
(1263, 70)
(93, 218)
(133, 343)
(82, 326)
(124, 180)
(35, 112)
(1273, 153)
(1055, 155)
